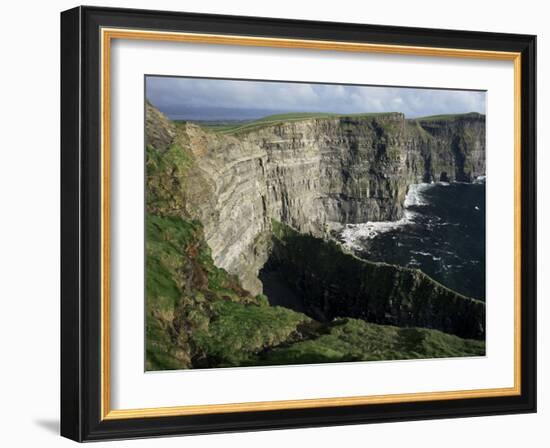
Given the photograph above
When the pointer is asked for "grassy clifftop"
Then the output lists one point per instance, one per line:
(278, 119)
(449, 117)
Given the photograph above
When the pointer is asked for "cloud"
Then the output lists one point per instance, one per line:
(180, 96)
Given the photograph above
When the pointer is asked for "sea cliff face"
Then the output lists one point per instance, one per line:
(310, 174)
(220, 206)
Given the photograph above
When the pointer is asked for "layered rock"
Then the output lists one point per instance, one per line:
(310, 174)
(455, 150)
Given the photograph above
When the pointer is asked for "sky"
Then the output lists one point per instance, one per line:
(218, 99)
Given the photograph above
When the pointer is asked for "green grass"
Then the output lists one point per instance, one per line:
(166, 239)
(182, 284)
(178, 260)
(166, 178)
(198, 315)
(237, 332)
(356, 340)
(272, 120)
(443, 117)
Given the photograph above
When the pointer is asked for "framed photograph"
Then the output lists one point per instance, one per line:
(276, 224)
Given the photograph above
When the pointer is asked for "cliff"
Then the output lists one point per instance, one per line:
(198, 316)
(310, 174)
(212, 198)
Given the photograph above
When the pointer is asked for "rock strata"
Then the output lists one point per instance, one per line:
(310, 174)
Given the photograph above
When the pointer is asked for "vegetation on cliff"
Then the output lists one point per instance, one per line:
(356, 340)
(198, 315)
(450, 117)
(278, 119)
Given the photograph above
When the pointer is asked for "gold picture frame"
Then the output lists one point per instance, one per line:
(107, 31)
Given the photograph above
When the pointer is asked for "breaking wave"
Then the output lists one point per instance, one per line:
(415, 195)
(352, 234)
(480, 179)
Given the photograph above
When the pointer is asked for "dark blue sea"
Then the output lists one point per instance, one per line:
(442, 233)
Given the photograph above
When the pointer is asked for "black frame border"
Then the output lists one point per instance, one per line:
(81, 223)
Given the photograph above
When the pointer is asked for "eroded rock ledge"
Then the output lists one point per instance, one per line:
(335, 284)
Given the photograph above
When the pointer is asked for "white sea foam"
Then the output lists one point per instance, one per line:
(415, 195)
(426, 254)
(419, 252)
(480, 179)
(354, 233)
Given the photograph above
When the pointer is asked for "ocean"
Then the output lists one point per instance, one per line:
(442, 233)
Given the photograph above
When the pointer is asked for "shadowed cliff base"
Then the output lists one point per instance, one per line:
(329, 283)
(279, 292)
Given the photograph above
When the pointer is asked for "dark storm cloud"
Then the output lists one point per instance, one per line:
(179, 96)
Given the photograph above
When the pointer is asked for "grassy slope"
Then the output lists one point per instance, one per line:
(198, 316)
(357, 340)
